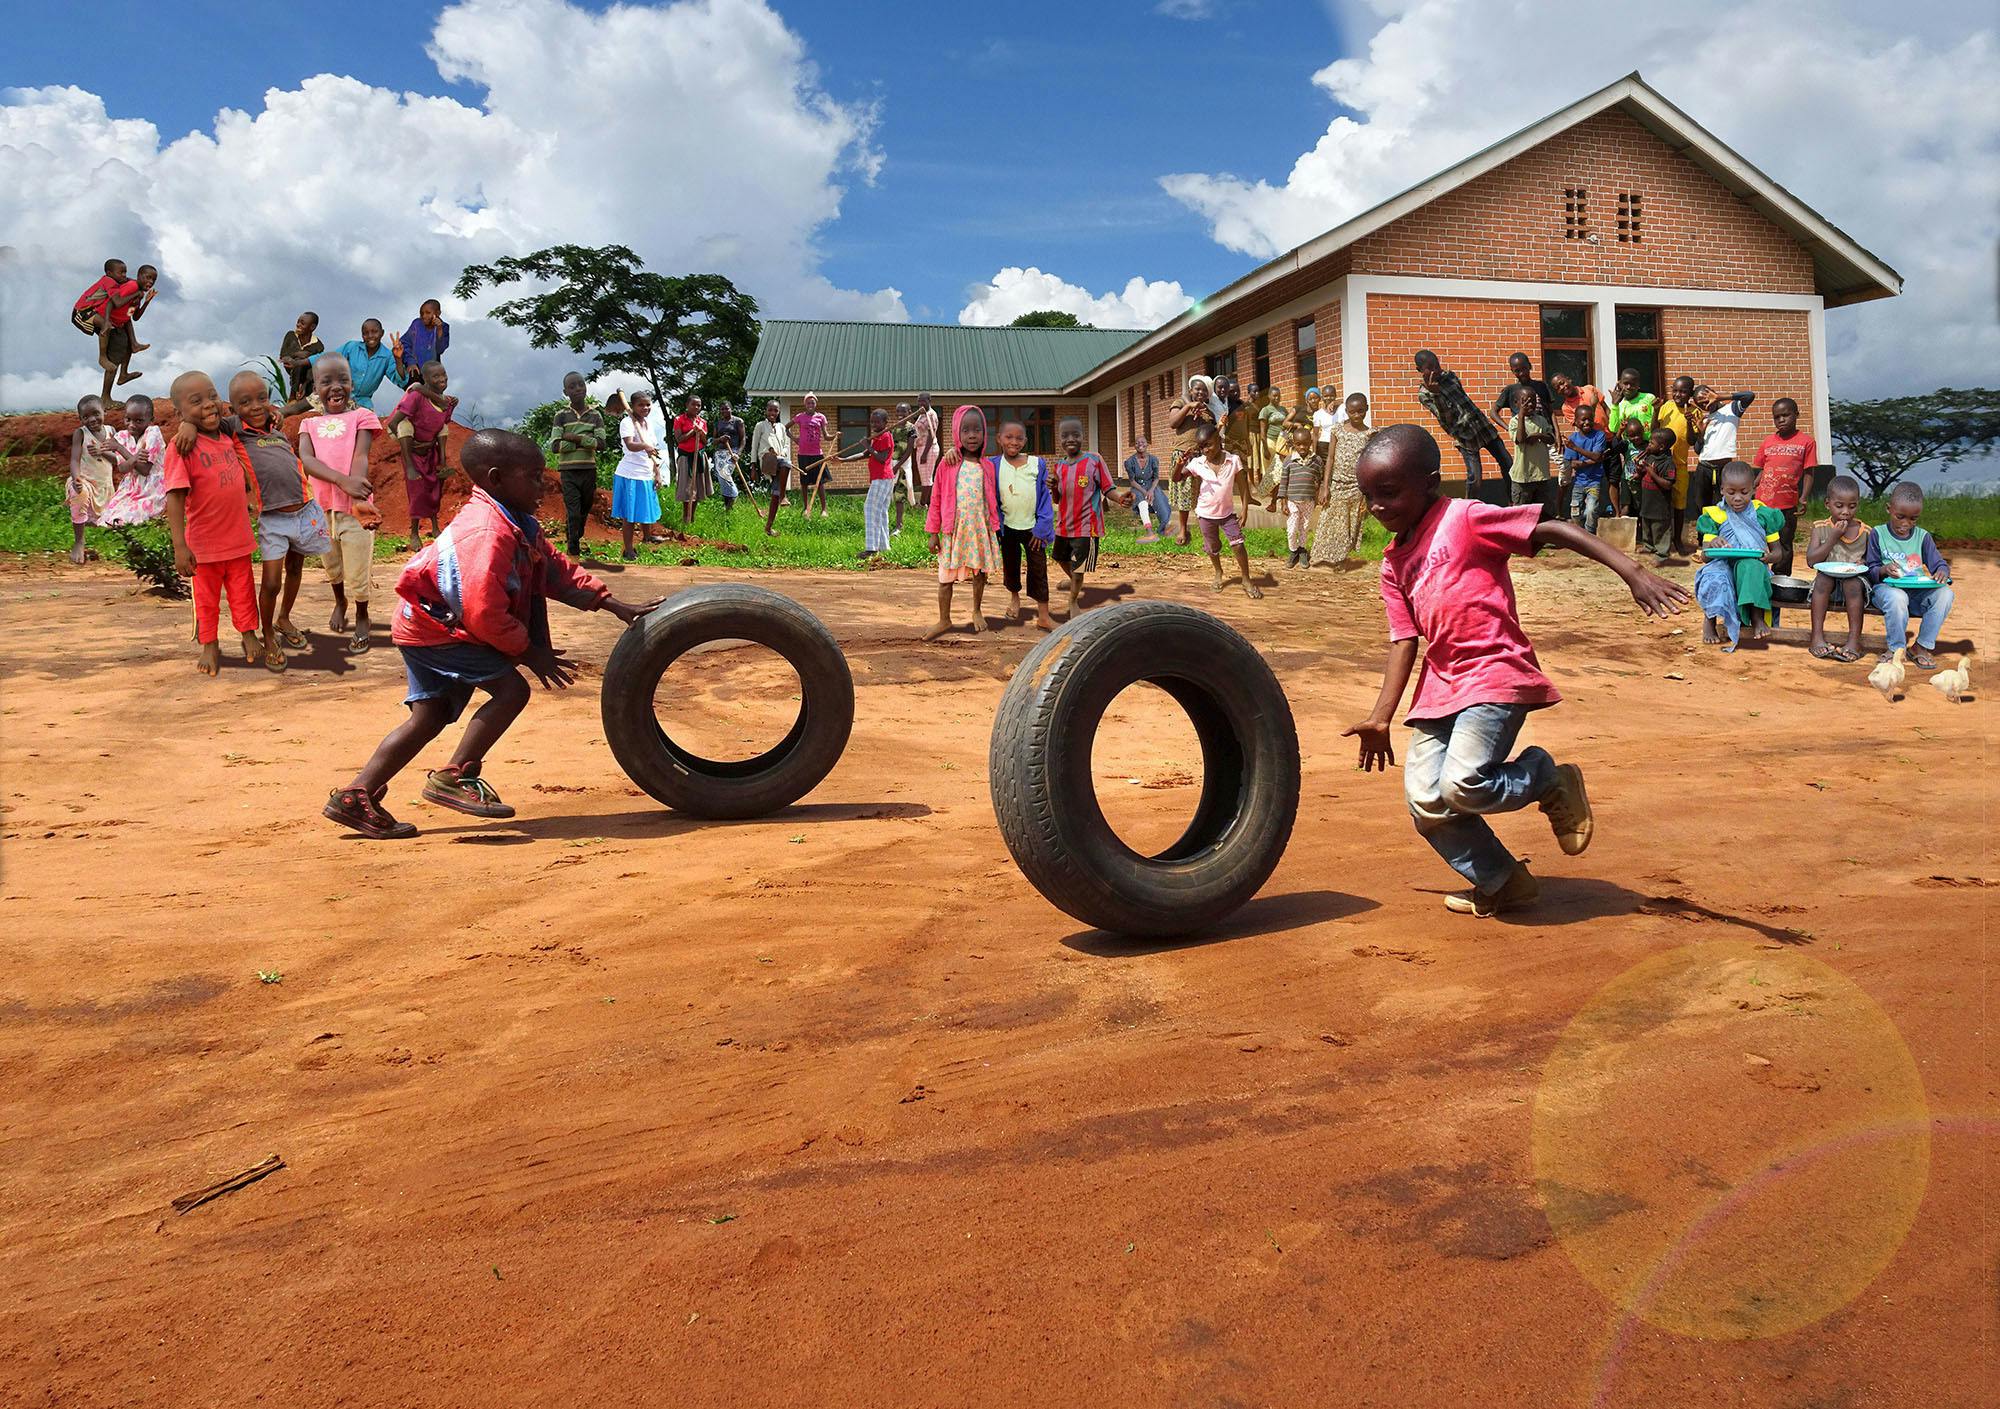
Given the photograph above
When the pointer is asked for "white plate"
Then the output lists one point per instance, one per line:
(1840, 569)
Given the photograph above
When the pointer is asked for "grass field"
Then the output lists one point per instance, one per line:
(33, 519)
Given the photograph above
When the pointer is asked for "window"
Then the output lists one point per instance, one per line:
(1566, 341)
(1145, 424)
(1305, 346)
(1221, 364)
(852, 431)
(1038, 421)
(1576, 216)
(1260, 353)
(1639, 345)
(1628, 217)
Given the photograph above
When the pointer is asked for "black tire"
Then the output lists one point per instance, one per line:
(1040, 773)
(750, 787)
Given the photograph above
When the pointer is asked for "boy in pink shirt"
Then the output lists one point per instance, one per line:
(1445, 580)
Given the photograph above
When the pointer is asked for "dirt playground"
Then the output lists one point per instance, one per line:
(600, 1105)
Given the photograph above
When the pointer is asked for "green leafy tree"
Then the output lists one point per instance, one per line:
(1882, 441)
(677, 333)
(1048, 318)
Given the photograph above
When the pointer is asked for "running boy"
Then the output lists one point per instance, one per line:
(1215, 508)
(1839, 538)
(1445, 581)
(473, 606)
(211, 494)
(1078, 483)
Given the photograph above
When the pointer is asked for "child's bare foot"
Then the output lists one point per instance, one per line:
(1044, 620)
(1250, 591)
(337, 623)
(209, 662)
(1075, 599)
(1708, 633)
(128, 377)
(253, 647)
(142, 347)
(76, 554)
(937, 631)
(978, 621)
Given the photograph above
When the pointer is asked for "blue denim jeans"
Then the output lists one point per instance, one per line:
(1583, 505)
(1931, 604)
(1456, 773)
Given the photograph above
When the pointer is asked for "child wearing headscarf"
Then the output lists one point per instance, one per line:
(1196, 405)
(964, 518)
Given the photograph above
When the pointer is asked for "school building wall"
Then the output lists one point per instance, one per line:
(1466, 275)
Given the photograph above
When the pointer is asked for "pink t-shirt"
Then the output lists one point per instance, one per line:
(1784, 461)
(1449, 584)
(811, 426)
(1217, 499)
(332, 440)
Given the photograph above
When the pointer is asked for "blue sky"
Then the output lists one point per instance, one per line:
(1028, 155)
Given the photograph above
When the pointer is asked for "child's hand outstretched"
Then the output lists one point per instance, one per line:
(1656, 595)
(629, 612)
(550, 666)
(1376, 750)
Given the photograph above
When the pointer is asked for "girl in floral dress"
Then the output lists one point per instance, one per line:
(1342, 509)
(143, 495)
(964, 518)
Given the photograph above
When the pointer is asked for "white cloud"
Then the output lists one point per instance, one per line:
(1887, 122)
(1014, 291)
(1185, 9)
(357, 201)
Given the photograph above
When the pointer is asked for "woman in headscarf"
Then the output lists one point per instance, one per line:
(1197, 404)
(964, 518)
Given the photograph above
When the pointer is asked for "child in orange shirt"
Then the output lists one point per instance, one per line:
(211, 493)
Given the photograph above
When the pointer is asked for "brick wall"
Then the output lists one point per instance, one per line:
(1745, 349)
(1508, 224)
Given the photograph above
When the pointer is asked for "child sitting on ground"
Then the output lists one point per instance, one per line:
(1900, 549)
(334, 445)
(1445, 581)
(211, 495)
(1653, 472)
(1584, 454)
(1215, 508)
(473, 607)
(1079, 482)
(1840, 537)
(1300, 476)
(143, 496)
(1027, 521)
(418, 424)
(95, 458)
(1736, 590)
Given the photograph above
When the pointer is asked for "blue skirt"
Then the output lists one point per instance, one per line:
(634, 500)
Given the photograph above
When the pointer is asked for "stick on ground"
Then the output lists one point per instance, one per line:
(234, 1182)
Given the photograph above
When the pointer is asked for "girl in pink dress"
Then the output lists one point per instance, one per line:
(143, 495)
(964, 518)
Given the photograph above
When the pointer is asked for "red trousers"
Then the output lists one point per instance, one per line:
(210, 579)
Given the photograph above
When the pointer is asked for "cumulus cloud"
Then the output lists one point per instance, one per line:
(358, 201)
(1884, 121)
(1185, 9)
(1014, 291)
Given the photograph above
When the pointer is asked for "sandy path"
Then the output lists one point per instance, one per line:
(833, 1109)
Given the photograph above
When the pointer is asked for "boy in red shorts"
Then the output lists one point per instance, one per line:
(211, 494)
(472, 608)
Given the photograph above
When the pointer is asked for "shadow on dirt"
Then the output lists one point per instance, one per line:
(1266, 915)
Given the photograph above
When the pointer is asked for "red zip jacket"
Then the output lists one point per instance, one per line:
(482, 580)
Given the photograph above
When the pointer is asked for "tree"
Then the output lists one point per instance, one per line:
(1881, 441)
(1048, 318)
(679, 333)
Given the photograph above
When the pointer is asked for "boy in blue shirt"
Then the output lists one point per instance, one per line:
(1583, 465)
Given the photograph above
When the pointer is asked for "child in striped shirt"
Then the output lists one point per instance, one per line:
(1079, 483)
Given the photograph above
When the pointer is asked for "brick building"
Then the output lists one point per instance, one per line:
(1614, 233)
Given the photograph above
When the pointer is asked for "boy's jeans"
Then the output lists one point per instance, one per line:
(1584, 500)
(1931, 604)
(1456, 773)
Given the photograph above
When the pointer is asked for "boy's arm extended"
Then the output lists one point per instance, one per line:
(1376, 749)
(177, 530)
(1655, 595)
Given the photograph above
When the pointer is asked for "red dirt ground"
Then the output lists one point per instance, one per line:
(604, 1105)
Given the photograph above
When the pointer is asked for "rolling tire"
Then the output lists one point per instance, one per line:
(1039, 768)
(751, 787)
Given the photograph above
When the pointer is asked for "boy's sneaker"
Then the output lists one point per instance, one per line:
(1520, 891)
(473, 795)
(1568, 808)
(354, 809)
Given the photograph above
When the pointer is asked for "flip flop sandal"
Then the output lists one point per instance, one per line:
(359, 643)
(1845, 656)
(293, 640)
(357, 811)
(474, 796)
(275, 661)
(1922, 659)
(1824, 653)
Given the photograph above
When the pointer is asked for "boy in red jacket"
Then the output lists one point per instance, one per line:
(471, 608)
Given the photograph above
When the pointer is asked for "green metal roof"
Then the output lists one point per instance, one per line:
(901, 359)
